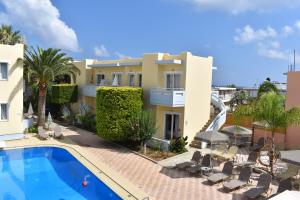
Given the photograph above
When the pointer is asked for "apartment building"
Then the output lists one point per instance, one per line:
(11, 90)
(176, 87)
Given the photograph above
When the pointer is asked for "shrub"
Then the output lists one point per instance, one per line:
(87, 121)
(178, 145)
(115, 106)
(33, 129)
(64, 93)
(142, 127)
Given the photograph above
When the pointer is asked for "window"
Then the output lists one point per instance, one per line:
(3, 111)
(100, 79)
(116, 79)
(140, 80)
(131, 79)
(172, 81)
(3, 71)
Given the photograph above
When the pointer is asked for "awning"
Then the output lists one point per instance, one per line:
(237, 131)
(213, 137)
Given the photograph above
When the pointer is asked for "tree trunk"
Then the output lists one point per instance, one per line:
(272, 152)
(42, 104)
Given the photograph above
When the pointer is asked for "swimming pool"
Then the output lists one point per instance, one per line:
(48, 173)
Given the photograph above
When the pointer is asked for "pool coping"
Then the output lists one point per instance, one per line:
(103, 173)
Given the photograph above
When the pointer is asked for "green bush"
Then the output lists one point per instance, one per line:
(142, 127)
(64, 93)
(115, 107)
(87, 121)
(33, 129)
(178, 145)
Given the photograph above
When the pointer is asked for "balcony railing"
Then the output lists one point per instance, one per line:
(174, 97)
(89, 90)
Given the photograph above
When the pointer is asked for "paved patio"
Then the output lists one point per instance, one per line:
(134, 171)
(153, 179)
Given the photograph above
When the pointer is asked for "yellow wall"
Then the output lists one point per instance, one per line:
(108, 71)
(160, 112)
(150, 75)
(82, 80)
(197, 93)
(11, 90)
(196, 79)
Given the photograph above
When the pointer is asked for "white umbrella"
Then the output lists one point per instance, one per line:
(115, 81)
(49, 120)
(30, 110)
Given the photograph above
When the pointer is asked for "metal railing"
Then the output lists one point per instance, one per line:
(174, 97)
(220, 119)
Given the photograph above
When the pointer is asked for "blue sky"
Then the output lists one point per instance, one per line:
(249, 40)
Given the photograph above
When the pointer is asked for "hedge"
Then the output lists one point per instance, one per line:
(115, 107)
(64, 93)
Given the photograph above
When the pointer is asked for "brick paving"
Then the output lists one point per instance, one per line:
(158, 182)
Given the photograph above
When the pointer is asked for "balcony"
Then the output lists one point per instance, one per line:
(89, 90)
(167, 97)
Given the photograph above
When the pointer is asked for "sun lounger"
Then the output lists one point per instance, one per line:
(262, 187)
(289, 173)
(57, 131)
(195, 160)
(2, 144)
(283, 185)
(204, 166)
(226, 173)
(260, 144)
(42, 134)
(241, 181)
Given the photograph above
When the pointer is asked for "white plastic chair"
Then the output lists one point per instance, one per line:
(58, 131)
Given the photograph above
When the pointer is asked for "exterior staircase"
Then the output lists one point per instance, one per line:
(216, 121)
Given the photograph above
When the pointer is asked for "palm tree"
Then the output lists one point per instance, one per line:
(42, 66)
(269, 110)
(9, 36)
(267, 86)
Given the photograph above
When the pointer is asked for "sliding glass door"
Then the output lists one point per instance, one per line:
(172, 130)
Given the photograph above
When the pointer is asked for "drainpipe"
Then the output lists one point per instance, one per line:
(252, 137)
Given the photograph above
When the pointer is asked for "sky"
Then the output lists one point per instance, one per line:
(249, 40)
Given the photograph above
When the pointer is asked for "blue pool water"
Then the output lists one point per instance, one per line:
(48, 173)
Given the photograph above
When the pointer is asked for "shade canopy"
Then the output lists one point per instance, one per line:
(237, 131)
(213, 137)
(291, 156)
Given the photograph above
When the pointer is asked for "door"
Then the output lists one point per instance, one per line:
(100, 79)
(172, 130)
(173, 81)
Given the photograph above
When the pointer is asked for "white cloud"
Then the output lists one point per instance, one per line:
(121, 56)
(287, 30)
(101, 51)
(239, 6)
(272, 50)
(248, 34)
(41, 18)
(297, 24)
